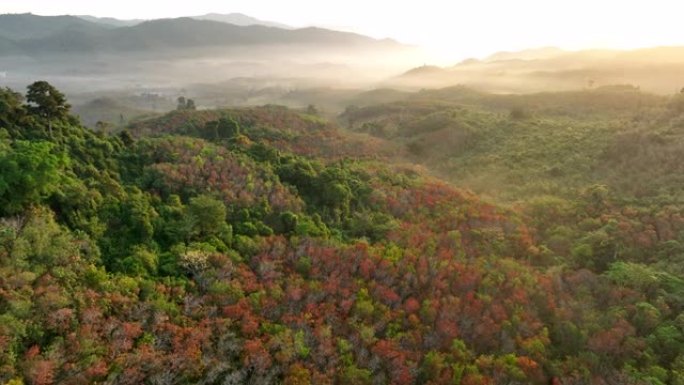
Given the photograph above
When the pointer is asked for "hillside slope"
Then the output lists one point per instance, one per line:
(216, 247)
(40, 35)
(28, 26)
(658, 69)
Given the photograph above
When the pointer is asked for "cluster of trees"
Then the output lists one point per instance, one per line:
(242, 258)
(185, 104)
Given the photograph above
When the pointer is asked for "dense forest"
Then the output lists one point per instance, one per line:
(451, 237)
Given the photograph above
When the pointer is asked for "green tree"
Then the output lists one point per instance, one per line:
(141, 262)
(181, 103)
(29, 173)
(47, 102)
(228, 128)
(185, 104)
(207, 214)
(353, 375)
(10, 107)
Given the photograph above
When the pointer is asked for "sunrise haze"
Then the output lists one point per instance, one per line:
(449, 30)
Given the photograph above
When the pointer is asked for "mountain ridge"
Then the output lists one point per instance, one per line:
(655, 69)
(234, 18)
(72, 34)
(111, 21)
(240, 19)
(24, 26)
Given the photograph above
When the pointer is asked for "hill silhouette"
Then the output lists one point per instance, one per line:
(659, 69)
(39, 35)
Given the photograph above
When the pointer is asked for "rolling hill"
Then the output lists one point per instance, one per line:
(7, 45)
(659, 70)
(240, 19)
(40, 35)
(108, 111)
(231, 18)
(266, 245)
(110, 21)
(23, 27)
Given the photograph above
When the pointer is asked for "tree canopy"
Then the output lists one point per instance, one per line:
(264, 245)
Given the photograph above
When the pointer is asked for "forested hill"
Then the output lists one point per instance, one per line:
(656, 69)
(225, 247)
(34, 35)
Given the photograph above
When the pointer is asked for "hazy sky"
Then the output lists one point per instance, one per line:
(455, 29)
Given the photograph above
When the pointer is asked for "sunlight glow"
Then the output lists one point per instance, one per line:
(450, 30)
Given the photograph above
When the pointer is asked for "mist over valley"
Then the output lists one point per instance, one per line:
(476, 193)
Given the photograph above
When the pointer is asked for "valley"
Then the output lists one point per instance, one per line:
(220, 199)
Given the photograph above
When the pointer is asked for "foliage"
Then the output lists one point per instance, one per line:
(244, 257)
(29, 173)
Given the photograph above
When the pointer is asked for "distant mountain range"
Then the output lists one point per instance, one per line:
(111, 22)
(528, 54)
(240, 19)
(659, 69)
(23, 27)
(231, 18)
(32, 35)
